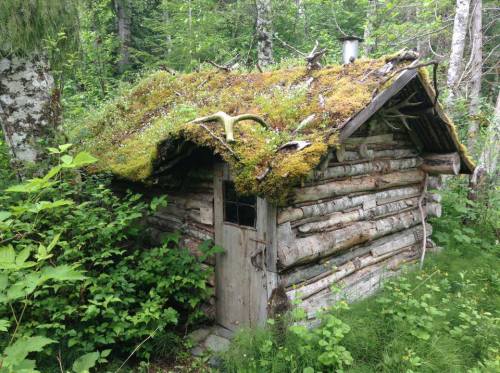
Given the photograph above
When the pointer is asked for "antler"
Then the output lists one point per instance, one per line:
(228, 121)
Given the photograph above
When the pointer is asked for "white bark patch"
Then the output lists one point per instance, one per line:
(25, 94)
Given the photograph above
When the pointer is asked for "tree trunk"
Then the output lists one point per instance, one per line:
(371, 13)
(26, 87)
(264, 33)
(476, 74)
(124, 34)
(457, 45)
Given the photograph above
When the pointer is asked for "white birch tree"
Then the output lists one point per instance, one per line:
(476, 74)
(264, 33)
(26, 83)
(457, 46)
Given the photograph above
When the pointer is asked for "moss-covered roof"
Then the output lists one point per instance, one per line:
(126, 134)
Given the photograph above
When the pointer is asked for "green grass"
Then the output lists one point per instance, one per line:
(444, 318)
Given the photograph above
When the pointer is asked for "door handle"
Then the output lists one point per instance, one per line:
(257, 258)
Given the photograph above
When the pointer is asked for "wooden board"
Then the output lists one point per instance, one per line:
(241, 275)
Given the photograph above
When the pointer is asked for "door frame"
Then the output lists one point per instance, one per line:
(266, 226)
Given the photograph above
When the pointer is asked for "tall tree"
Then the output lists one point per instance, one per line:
(122, 9)
(264, 33)
(457, 45)
(27, 94)
(476, 73)
(371, 13)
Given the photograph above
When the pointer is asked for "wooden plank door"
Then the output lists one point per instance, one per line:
(241, 281)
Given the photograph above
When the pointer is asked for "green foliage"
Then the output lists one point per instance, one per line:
(52, 224)
(292, 347)
(29, 27)
(25, 266)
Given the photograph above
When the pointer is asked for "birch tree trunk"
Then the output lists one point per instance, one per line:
(476, 74)
(264, 33)
(124, 34)
(369, 44)
(26, 87)
(457, 45)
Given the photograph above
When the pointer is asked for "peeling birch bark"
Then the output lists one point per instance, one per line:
(457, 45)
(264, 33)
(26, 87)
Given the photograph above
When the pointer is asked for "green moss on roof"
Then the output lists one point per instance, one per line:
(126, 134)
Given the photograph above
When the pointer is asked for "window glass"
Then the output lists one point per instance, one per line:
(239, 210)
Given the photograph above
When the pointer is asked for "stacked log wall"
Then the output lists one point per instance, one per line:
(356, 221)
(189, 211)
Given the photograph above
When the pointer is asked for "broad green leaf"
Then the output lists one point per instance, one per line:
(4, 215)
(7, 255)
(83, 159)
(65, 147)
(4, 325)
(23, 256)
(48, 205)
(54, 242)
(31, 186)
(85, 362)
(52, 172)
(66, 159)
(17, 352)
(4, 281)
(61, 273)
(53, 150)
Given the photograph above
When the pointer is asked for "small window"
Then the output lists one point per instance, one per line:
(238, 209)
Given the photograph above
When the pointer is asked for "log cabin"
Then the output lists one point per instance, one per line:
(307, 178)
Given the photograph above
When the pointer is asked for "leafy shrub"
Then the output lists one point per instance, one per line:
(130, 291)
(296, 348)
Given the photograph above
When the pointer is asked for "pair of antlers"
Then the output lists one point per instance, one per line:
(229, 121)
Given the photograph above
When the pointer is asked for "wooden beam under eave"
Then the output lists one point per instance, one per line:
(376, 104)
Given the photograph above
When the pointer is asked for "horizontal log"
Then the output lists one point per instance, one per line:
(344, 203)
(395, 242)
(307, 290)
(359, 285)
(301, 250)
(358, 184)
(377, 139)
(338, 218)
(437, 164)
(356, 169)
(343, 155)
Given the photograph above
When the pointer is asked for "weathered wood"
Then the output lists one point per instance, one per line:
(377, 139)
(344, 155)
(339, 218)
(292, 252)
(361, 117)
(406, 238)
(311, 288)
(356, 169)
(434, 182)
(344, 203)
(240, 271)
(358, 184)
(433, 209)
(360, 284)
(316, 270)
(437, 164)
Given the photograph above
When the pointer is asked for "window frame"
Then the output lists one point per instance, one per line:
(238, 203)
